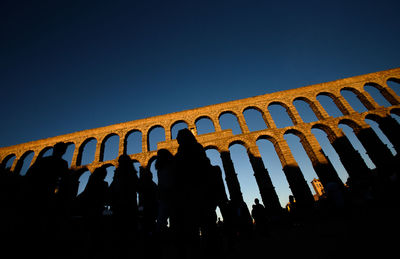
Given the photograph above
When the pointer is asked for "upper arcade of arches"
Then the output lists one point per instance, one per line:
(214, 112)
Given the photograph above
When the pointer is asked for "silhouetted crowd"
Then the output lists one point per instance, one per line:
(134, 217)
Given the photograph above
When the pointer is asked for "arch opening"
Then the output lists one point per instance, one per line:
(274, 166)
(376, 92)
(133, 142)
(303, 160)
(215, 160)
(69, 153)
(47, 151)
(8, 161)
(228, 120)
(110, 147)
(348, 130)
(354, 100)
(330, 153)
(328, 103)
(245, 173)
(156, 134)
(280, 115)
(254, 119)
(375, 127)
(327, 130)
(176, 127)
(204, 125)
(24, 162)
(87, 151)
(305, 111)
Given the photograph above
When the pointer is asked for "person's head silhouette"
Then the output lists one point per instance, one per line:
(185, 137)
(123, 158)
(125, 166)
(59, 149)
(99, 173)
(163, 157)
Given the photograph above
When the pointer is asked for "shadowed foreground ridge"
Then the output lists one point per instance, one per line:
(134, 217)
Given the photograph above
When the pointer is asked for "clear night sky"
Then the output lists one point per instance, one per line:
(73, 65)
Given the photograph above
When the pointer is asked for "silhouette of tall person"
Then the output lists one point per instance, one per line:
(94, 198)
(258, 213)
(43, 180)
(45, 175)
(123, 200)
(192, 166)
(95, 193)
(148, 201)
(166, 174)
(123, 189)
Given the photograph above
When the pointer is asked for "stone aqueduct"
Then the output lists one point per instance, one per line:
(223, 139)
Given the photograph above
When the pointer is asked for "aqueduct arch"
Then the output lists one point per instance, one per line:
(221, 139)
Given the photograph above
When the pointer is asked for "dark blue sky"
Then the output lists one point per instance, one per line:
(72, 65)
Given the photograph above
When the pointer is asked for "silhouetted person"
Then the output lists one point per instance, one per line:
(258, 211)
(123, 200)
(43, 180)
(148, 200)
(95, 193)
(71, 189)
(124, 187)
(66, 195)
(148, 206)
(260, 218)
(166, 175)
(213, 197)
(192, 168)
(44, 177)
(94, 199)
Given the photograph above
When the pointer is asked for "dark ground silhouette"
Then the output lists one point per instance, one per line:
(43, 217)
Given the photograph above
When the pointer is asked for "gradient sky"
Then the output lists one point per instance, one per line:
(67, 66)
